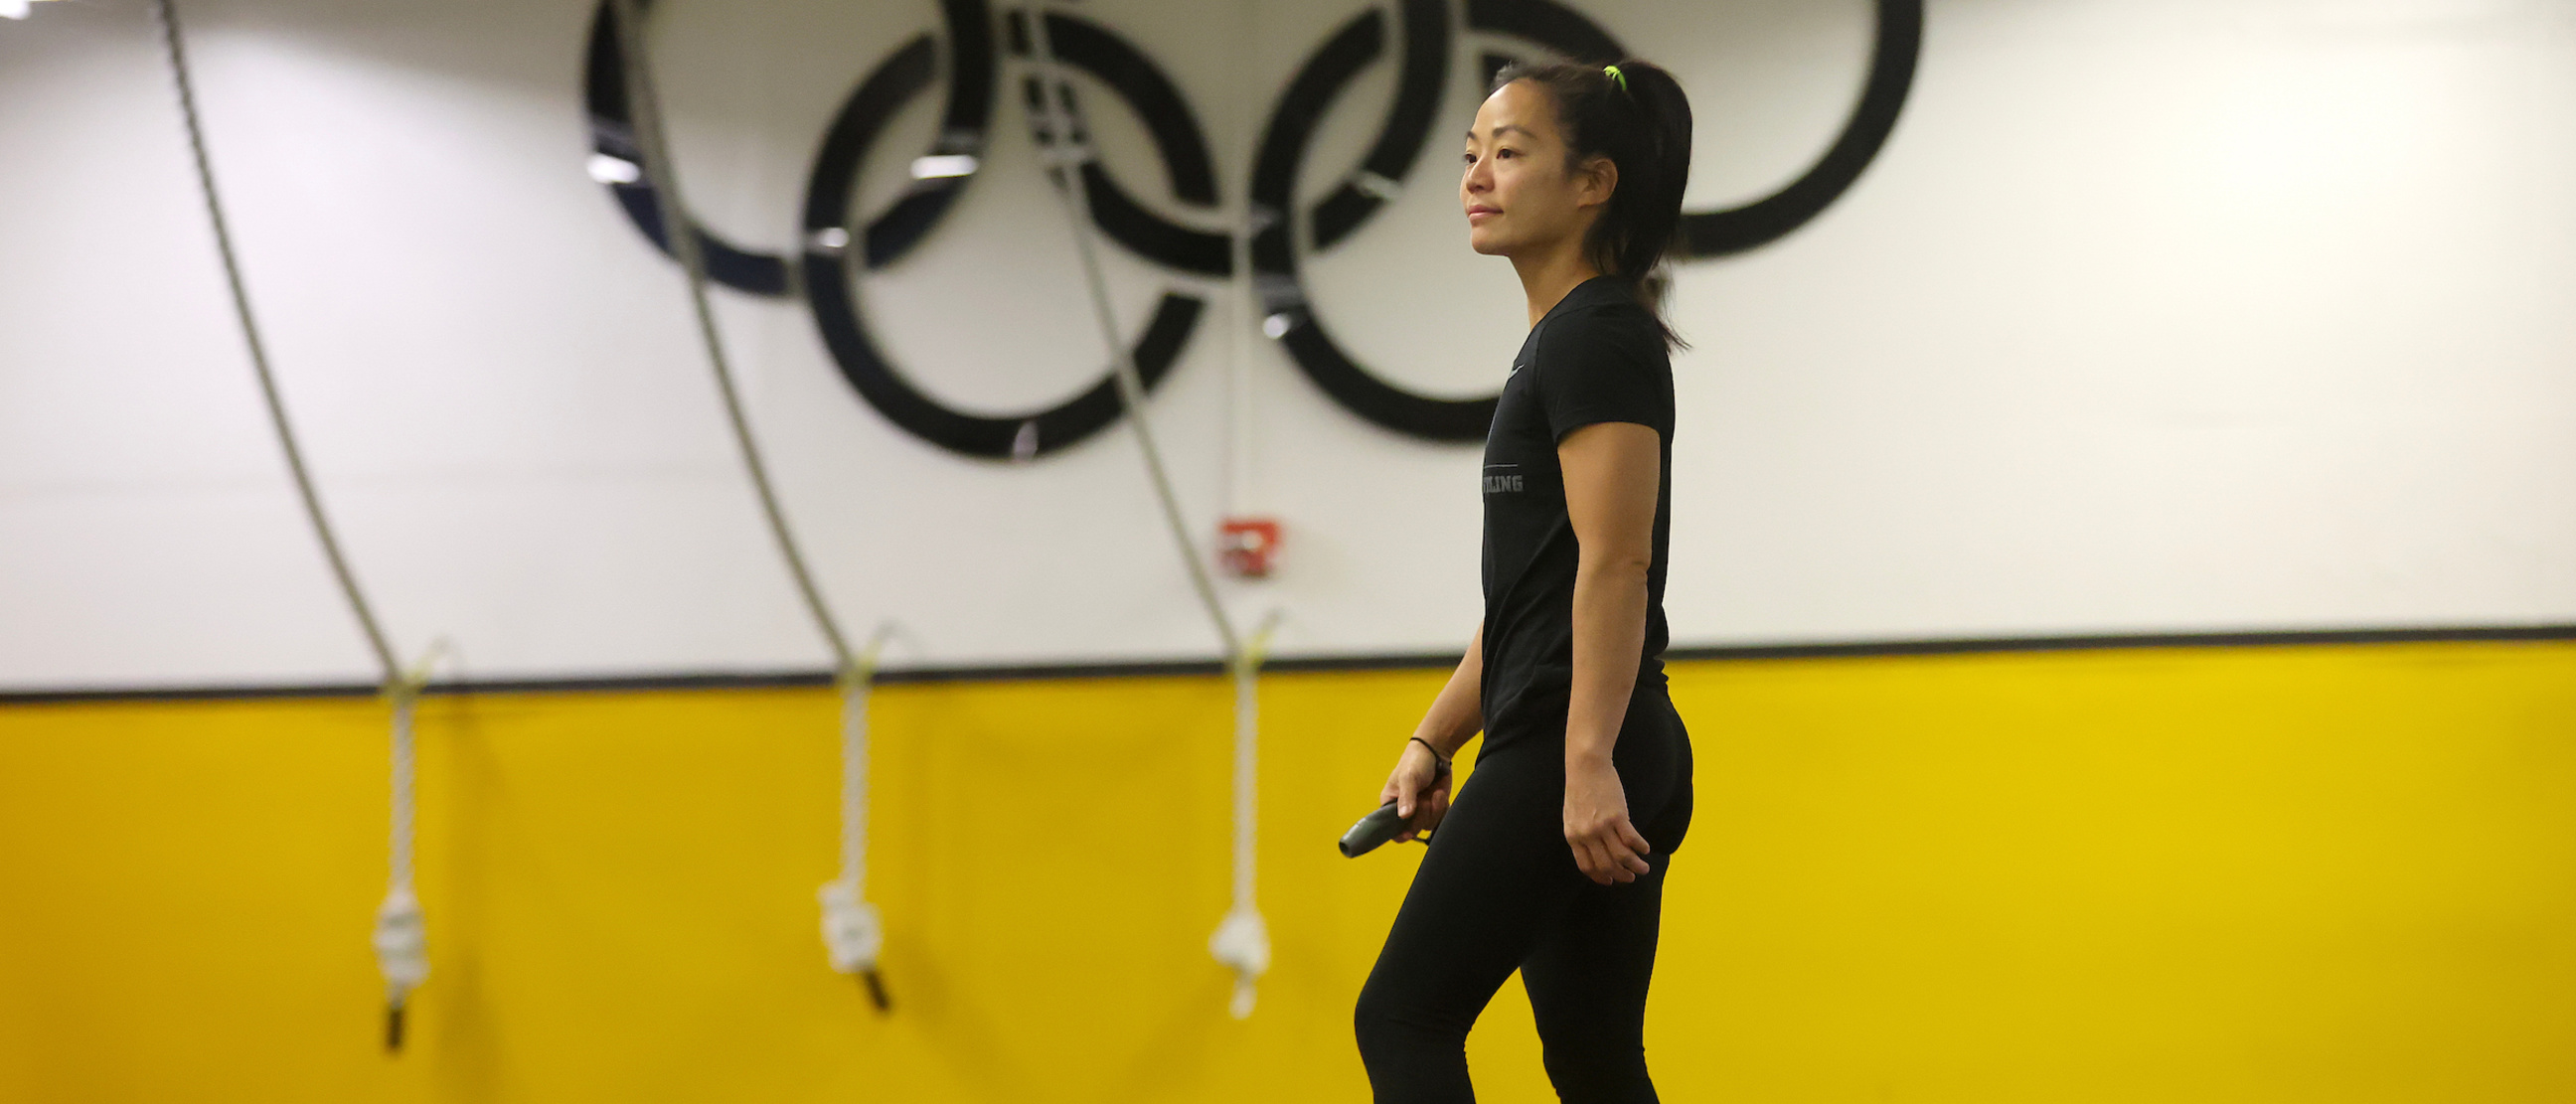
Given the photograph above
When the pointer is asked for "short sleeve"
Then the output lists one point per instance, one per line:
(1594, 366)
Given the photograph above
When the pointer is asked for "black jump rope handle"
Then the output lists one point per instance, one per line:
(1375, 829)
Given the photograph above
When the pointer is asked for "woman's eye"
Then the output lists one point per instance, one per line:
(1471, 159)
(1505, 152)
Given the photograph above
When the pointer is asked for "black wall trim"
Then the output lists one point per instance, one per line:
(758, 680)
(2268, 639)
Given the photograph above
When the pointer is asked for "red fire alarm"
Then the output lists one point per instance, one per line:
(1247, 546)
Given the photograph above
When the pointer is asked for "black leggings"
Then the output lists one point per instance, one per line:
(1499, 891)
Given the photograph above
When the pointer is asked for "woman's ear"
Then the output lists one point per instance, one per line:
(1595, 182)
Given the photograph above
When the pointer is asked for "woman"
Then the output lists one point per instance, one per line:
(1552, 862)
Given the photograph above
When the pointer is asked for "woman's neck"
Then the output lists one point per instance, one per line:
(1548, 276)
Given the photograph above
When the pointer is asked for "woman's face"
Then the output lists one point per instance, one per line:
(1518, 192)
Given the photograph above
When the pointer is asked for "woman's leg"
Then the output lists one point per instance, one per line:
(1496, 880)
(1500, 891)
(1587, 979)
(1587, 988)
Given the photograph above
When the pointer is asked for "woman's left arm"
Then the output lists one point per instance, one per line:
(1613, 471)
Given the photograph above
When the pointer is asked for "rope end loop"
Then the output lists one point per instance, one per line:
(1242, 944)
(405, 686)
(1255, 649)
(860, 668)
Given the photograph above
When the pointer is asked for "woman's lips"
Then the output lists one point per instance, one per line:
(1482, 212)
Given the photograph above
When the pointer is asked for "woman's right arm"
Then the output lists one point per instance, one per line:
(1454, 718)
(1457, 715)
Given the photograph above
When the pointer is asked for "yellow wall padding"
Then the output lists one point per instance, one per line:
(2294, 874)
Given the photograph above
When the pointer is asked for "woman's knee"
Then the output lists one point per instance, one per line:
(1388, 1031)
(1377, 1022)
(1598, 1071)
(1369, 1018)
(1411, 1057)
(1593, 1042)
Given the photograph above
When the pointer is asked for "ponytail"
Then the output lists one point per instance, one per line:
(1635, 114)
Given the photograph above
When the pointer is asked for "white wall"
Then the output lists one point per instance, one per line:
(2155, 314)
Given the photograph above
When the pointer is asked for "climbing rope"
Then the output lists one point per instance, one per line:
(401, 938)
(402, 952)
(852, 930)
(849, 923)
(357, 599)
(1069, 154)
(654, 141)
(1242, 940)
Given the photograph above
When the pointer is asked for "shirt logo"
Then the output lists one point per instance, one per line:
(1502, 479)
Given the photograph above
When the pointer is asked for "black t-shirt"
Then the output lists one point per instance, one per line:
(1597, 356)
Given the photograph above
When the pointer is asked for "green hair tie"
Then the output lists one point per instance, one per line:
(1616, 75)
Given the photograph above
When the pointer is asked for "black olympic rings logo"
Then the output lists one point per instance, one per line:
(824, 271)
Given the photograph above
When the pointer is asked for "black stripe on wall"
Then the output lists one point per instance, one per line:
(1310, 664)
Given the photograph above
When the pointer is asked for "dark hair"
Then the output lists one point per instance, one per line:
(1641, 121)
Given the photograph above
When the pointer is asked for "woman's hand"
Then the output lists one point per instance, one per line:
(1606, 846)
(1419, 786)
